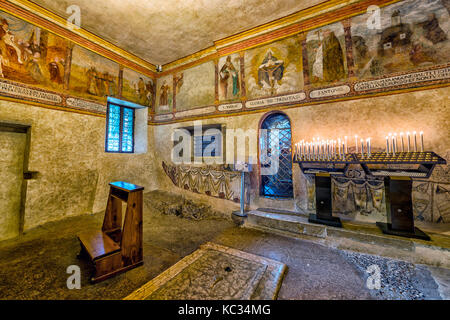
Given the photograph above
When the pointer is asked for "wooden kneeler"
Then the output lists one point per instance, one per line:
(115, 249)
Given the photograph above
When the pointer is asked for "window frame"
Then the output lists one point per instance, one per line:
(217, 126)
(122, 107)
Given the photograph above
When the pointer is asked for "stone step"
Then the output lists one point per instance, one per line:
(285, 212)
(353, 236)
(297, 224)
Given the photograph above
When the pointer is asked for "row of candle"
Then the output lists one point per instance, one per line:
(327, 149)
(392, 142)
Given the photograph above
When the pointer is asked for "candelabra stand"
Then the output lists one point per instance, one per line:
(324, 167)
(398, 169)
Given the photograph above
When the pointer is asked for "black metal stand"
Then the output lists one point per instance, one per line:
(324, 202)
(399, 209)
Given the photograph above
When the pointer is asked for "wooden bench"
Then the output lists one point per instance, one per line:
(116, 248)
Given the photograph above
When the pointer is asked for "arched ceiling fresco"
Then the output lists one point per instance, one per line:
(161, 31)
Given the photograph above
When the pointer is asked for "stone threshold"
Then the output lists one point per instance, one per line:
(360, 237)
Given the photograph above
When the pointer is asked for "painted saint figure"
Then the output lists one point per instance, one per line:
(270, 71)
(333, 58)
(164, 95)
(55, 74)
(91, 76)
(229, 77)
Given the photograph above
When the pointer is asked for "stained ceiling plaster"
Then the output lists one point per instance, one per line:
(161, 31)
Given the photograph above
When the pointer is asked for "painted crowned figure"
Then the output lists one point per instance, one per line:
(270, 71)
(229, 80)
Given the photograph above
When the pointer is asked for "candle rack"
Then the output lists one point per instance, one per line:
(397, 170)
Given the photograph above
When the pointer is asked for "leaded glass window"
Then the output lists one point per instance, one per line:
(278, 138)
(113, 134)
(127, 130)
(119, 129)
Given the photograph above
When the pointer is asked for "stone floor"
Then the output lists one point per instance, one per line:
(34, 266)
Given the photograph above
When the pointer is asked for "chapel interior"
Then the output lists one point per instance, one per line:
(242, 149)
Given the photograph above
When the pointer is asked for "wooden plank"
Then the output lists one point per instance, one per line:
(98, 244)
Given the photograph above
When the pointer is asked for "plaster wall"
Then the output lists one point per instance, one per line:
(67, 151)
(375, 117)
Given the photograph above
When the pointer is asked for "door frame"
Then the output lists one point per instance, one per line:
(261, 120)
(27, 175)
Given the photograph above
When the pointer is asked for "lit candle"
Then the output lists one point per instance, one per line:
(339, 147)
(343, 149)
(346, 145)
(393, 145)
(314, 148)
(362, 148)
(421, 142)
(334, 148)
(415, 141)
(401, 139)
(328, 149)
(368, 147)
(324, 150)
(396, 142)
(409, 141)
(356, 143)
(387, 145)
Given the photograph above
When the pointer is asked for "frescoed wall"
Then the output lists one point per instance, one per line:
(137, 88)
(195, 86)
(164, 94)
(229, 75)
(31, 55)
(347, 58)
(413, 34)
(93, 76)
(274, 69)
(39, 66)
(327, 55)
(357, 56)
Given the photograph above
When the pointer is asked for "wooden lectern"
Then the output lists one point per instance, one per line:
(116, 248)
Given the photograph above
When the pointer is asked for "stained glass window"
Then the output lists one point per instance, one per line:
(119, 129)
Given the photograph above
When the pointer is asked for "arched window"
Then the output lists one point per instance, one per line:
(277, 184)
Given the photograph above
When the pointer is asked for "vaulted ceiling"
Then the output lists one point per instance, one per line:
(161, 31)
